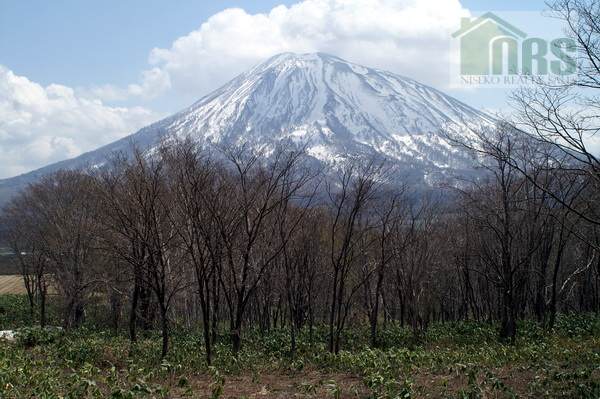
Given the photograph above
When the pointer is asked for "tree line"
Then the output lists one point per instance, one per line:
(238, 243)
(183, 238)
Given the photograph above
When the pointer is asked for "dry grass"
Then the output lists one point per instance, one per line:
(275, 386)
(12, 284)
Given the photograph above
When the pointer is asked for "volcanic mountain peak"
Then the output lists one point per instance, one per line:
(333, 108)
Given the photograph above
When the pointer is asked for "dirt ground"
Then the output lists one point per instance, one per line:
(272, 386)
(314, 384)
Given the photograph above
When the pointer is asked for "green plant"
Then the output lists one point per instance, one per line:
(454, 359)
(217, 384)
(333, 388)
(32, 336)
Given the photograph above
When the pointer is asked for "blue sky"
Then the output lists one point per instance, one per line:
(75, 75)
(77, 42)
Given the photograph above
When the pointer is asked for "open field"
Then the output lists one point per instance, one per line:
(454, 360)
(11, 284)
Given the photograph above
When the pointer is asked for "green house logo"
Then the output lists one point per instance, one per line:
(489, 45)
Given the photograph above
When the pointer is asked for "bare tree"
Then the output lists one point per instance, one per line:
(564, 117)
(195, 194)
(23, 233)
(140, 200)
(349, 200)
(389, 212)
(247, 223)
(66, 207)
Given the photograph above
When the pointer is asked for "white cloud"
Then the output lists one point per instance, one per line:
(409, 37)
(153, 83)
(40, 125)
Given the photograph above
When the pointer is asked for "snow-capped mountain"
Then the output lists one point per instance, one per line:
(334, 108)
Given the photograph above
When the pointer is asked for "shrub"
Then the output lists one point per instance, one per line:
(31, 336)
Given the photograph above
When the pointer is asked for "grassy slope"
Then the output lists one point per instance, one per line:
(461, 360)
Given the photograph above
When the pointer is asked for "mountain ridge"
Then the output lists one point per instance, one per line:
(335, 108)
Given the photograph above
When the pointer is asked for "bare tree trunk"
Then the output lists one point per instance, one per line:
(133, 311)
(375, 312)
(164, 324)
(332, 312)
(42, 290)
(553, 300)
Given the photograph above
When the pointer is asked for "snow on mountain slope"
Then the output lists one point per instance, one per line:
(337, 107)
(334, 107)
